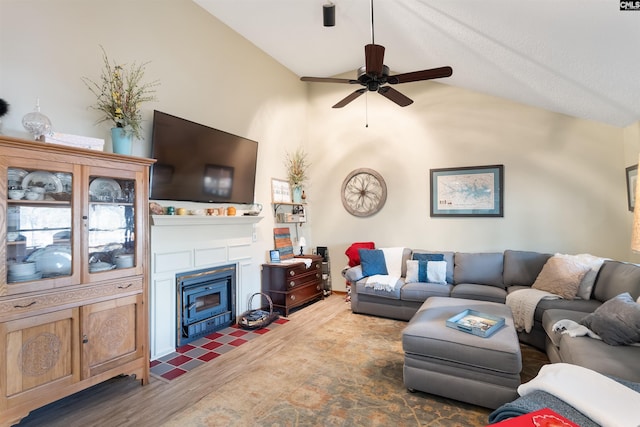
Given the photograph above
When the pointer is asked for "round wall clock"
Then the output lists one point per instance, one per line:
(363, 192)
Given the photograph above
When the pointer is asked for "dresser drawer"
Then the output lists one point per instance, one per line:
(296, 297)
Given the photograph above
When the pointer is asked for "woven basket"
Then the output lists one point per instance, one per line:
(257, 318)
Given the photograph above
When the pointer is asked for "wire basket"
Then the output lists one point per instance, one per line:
(257, 318)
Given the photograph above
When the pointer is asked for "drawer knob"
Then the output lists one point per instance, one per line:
(292, 273)
(293, 297)
(317, 275)
(292, 284)
(317, 287)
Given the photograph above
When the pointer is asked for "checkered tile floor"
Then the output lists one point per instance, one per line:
(196, 353)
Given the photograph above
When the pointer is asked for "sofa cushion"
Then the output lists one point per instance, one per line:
(522, 267)
(479, 292)
(448, 257)
(598, 356)
(372, 262)
(422, 291)
(616, 277)
(480, 268)
(617, 321)
(561, 275)
(362, 288)
(552, 316)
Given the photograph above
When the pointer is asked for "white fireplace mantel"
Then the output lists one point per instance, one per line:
(181, 220)
(181, 243)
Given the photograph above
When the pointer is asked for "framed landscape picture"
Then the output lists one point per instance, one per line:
(632, 179)
(467, 191)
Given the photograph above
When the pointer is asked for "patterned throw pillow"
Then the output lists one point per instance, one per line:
(372, 262)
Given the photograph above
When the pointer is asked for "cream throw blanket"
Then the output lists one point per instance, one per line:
(382, 282)
(605, 401)
(523, 304)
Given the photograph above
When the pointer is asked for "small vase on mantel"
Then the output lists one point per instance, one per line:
(297, 194)
(122, 141)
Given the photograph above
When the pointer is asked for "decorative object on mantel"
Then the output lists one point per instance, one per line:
(297, 165)
(36, 123)
(155, 208)
(120, 94)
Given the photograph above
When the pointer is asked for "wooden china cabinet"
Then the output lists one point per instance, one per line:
(74, 281)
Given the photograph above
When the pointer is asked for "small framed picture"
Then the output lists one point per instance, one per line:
(280, 191)
(274, 256)
(632, 179)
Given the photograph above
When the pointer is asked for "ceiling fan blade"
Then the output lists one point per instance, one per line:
(416, 76)
(395, 96)
(327, 80)
(349, 98)
(374, 59)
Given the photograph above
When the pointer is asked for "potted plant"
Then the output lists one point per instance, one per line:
(297, 164)
(120, 94)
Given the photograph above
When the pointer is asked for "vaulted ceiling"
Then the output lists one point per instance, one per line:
(577, 57)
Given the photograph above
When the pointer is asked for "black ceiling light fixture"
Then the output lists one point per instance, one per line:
(329, 14)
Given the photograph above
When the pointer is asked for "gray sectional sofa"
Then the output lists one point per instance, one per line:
(491, 277)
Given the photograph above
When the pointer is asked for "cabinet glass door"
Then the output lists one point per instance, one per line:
(111, 224)
(39, 225)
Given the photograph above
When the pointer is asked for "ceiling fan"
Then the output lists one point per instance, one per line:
(374, 76)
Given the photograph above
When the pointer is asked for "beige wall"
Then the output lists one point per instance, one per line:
(208, 74)
(565, 186)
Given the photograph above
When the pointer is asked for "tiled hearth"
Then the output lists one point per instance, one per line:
(196, 353)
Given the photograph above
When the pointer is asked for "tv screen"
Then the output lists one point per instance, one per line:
(197, 163)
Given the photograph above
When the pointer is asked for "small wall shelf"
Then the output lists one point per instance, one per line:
(297, 214)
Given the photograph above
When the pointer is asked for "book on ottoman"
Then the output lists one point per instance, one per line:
(476, 323)
(541, 418)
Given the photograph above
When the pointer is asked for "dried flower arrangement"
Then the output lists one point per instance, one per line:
(296, 164)
(120, 94)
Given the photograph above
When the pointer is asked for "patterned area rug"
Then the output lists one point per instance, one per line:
(200, 351)
(349, 373)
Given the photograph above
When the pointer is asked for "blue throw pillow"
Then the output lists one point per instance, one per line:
(428, 257)
(372, 262)
(422, 271)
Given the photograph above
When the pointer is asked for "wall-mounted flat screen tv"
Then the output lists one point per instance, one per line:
(198, 163)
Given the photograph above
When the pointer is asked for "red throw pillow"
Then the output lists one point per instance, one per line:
(352, 252)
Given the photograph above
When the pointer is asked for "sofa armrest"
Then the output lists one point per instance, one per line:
(353, 274)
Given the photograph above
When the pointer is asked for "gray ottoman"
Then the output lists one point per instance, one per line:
(458, 365)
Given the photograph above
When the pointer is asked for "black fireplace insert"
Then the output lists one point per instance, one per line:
(206, 302)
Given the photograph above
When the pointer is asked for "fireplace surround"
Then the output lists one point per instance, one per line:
(188, 243)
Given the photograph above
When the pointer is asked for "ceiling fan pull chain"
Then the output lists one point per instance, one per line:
(366, 110)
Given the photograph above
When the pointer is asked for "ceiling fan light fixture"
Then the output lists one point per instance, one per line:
(329, 15)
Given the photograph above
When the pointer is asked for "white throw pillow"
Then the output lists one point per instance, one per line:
(437, 272)
(393, 260)
(413, 267)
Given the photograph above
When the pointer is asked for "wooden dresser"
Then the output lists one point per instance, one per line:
(293, 285)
